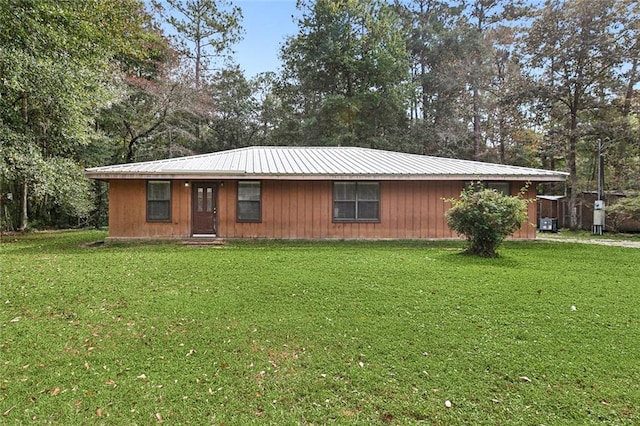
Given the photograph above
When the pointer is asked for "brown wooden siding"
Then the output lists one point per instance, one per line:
(128, 211)
(529, 227)
(300, 210)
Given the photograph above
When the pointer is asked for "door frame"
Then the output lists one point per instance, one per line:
(194, 198)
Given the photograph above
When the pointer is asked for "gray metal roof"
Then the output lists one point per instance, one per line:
(318, 163)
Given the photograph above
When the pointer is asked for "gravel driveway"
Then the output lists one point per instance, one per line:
(602, 242)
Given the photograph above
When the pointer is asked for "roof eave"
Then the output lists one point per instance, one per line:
(235, 175)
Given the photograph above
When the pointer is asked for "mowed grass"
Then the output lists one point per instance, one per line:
(317, 333)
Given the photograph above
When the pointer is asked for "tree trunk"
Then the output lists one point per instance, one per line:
(573, 174)
(502, 131)
(633, 79)
(198, 71)
(24, 221)
(476, 124)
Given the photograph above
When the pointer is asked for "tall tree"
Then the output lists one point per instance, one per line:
(149, 96)
(205, 31)
(456, 60)
(58, 67)
(234, 123)
(575, 56)
(488, 55)
(348, 65)
(436, 42)
(507, 130)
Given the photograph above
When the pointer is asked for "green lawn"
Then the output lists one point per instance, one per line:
(316, 333)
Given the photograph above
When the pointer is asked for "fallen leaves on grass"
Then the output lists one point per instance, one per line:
(387, 418)
(349, 413)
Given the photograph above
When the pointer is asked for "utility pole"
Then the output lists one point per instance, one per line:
(599, 205)
(600, 171)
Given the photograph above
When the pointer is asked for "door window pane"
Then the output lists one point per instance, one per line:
(200, 199)
(209, 199)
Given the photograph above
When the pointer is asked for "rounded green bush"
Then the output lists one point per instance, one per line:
(485, 217)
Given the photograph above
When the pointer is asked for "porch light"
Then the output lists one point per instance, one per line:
(186, 183)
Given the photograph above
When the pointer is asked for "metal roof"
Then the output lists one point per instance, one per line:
(318, 163)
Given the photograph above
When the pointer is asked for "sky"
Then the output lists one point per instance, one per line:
(266, 24)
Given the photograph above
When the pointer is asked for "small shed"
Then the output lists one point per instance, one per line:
(551, 212)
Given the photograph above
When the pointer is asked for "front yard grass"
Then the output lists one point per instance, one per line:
(317, 333)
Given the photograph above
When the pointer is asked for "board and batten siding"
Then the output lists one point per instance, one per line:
(300, 210)
(128, 211)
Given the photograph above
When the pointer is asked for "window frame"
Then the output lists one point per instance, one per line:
(356, 203)
(258, 202)
(168, 201)
(497, 185)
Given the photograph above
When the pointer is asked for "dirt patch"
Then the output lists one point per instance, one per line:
(93, 244)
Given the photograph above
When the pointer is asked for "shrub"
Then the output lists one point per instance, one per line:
(627, 208)
(485, 217)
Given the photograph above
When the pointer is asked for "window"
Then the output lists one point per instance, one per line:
(249, 196)
(503, 188)
(158, 201)
(356, 201)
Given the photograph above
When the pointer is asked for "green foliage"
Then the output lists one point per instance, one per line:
(205, 29)
(627, 208)
(333, 332)
(575, 52)
(235, 122)
(60, 65)
(518, 82)
(485, 217)
(347, 73)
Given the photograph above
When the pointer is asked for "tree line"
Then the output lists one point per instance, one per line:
(519, 82)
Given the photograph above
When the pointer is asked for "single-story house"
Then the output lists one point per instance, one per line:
(301, 192)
